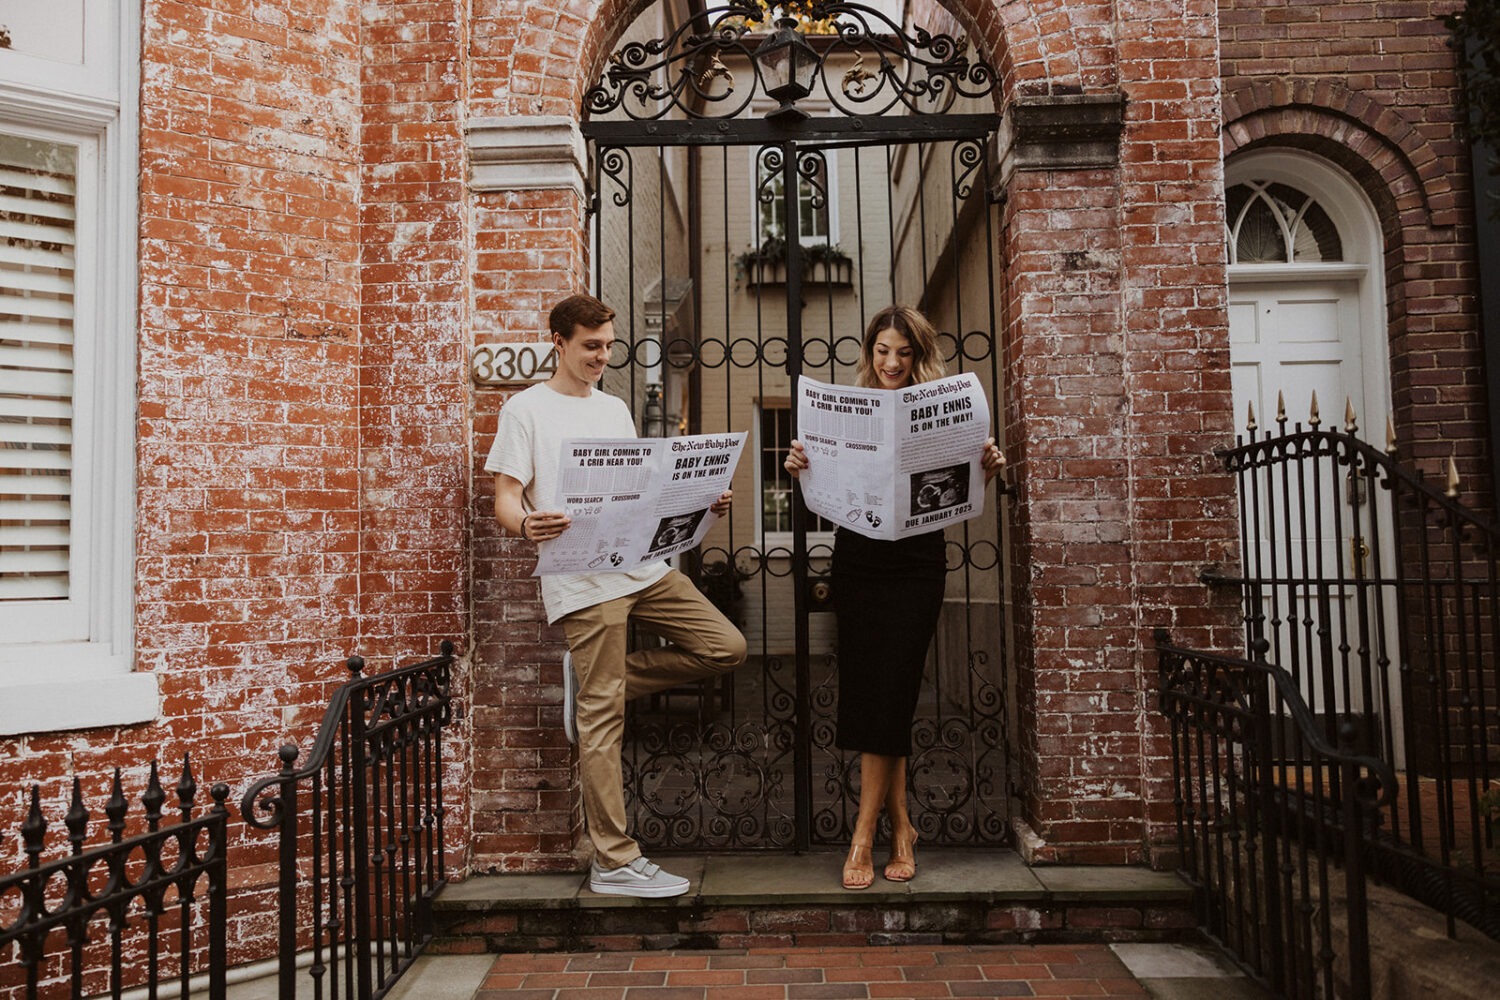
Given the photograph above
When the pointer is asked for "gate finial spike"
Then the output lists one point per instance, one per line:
(1453, 480)
(1390, 435)
(1351, 422)
(116, 808)
(1250, 423)
(1312, 418)
(1280, 407)
(34, 828)
(152, 799)
(77, 818)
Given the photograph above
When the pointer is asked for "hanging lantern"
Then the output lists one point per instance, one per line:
(787, 64)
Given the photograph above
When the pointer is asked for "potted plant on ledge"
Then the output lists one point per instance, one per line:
(822, 264)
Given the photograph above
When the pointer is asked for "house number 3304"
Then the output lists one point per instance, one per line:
(508, 364)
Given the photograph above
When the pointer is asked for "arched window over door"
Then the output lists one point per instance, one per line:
(1272, 223)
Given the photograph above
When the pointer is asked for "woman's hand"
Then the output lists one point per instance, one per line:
(721, 506)
(992, 459)
(796, 460)
(544, 525)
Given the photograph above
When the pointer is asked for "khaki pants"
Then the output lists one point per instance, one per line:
(701, 643)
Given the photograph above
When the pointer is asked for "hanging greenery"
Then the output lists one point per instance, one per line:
(1476, 37)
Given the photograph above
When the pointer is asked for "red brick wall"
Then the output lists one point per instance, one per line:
(414, 405)
(1370, 86)
(303, 456)
(1117, 391)
(529, 252)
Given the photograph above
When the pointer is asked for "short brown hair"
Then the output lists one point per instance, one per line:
(575, 311)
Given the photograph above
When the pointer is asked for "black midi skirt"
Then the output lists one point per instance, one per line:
(886, 598)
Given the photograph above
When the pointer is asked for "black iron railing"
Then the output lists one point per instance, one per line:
(1358, 737)
(148, 908)
(1272, 821)
(361, 847)
(1378, 595)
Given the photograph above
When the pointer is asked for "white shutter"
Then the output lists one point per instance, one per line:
(38, 182)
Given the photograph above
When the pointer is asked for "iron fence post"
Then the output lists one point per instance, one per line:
(218, 896)
(286, 900)
(356, 776)
(802, 734)
(1269, 830)
(1355, 900)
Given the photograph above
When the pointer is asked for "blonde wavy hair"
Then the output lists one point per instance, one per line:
(926, 365)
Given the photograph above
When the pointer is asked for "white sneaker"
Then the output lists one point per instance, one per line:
(570, 699)
(639, 878)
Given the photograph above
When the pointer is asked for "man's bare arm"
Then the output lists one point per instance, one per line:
(511, 512)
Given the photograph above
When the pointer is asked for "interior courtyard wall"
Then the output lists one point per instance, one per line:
(737, 308)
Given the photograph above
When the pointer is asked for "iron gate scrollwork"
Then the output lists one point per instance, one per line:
(742, 246)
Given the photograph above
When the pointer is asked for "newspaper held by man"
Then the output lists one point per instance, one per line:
(634, 501)
(889, 463)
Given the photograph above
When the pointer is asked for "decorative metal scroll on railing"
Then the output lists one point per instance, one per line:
(856, 56)
(132, 911)
(1380, 595)
(1266, 810)
(368, 835)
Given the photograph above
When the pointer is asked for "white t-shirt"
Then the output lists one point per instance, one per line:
(528, 447)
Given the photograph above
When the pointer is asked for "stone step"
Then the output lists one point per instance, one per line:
(766, 900)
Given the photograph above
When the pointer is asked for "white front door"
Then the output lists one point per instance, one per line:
(1296, 338)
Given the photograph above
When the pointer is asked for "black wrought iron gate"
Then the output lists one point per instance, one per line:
(744, 243)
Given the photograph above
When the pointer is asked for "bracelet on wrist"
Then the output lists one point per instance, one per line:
(524, 518)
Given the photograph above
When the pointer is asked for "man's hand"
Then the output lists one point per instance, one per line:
(542, 525)
(721, 506)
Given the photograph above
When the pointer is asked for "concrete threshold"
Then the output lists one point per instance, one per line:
(756, 900)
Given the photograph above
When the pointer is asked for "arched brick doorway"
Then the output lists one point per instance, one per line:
(1114, 361)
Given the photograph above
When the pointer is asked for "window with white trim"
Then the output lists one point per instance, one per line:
(774, 485)
(817, 221)
(67, 383)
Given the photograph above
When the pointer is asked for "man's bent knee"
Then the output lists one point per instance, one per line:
(733, 653)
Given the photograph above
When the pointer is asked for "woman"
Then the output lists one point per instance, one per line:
(886, 597)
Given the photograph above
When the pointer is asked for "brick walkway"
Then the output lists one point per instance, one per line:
(1091, 971)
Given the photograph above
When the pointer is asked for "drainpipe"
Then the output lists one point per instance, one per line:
(1487, 249)
(1487, 253)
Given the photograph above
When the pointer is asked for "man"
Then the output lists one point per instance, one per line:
(595, 609)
